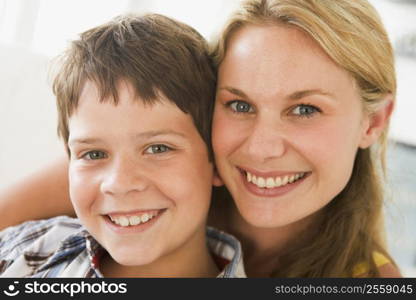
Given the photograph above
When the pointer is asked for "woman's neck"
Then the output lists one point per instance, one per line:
(264, 248)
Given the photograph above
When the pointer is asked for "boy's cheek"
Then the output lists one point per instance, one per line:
(81, 186)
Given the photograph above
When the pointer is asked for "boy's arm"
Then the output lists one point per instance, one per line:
(42, 194)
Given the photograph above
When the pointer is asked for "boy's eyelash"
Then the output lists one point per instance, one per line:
(85, 155)
(168, 148)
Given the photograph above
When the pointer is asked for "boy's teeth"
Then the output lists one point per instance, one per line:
(270, 182)
(145, 218)
(248, 177)
(135, 220)
(261, 182)
(125, 221)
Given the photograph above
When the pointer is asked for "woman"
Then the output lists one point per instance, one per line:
(305, 92)
(304, 89)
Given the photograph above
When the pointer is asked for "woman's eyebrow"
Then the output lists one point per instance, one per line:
(293, 96)
(305, 93)
(234, 91)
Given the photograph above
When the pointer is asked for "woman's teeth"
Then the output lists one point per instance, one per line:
(125, 221)
(271, 182)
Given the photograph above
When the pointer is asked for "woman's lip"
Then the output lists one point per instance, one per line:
(271, 174)
(271, 192)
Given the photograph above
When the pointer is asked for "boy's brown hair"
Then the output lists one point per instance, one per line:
(159, 56)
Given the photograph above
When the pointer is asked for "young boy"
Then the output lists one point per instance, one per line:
(135, 100)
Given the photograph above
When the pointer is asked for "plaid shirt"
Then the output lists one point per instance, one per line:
(62, 247)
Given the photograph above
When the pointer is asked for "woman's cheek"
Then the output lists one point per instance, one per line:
(226, 134)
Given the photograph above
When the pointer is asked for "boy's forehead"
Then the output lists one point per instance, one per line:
(124, 89)
(130, 115)
(93, 90)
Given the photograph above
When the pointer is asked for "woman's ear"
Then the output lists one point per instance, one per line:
(376, 122)
(216, 180)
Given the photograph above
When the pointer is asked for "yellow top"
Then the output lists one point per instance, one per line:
(362, 268)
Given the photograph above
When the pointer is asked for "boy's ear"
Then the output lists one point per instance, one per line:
(376, 122)
(216, 180)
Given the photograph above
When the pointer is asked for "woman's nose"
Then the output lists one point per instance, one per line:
(266, 141)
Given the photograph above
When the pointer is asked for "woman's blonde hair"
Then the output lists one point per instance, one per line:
(352, 34)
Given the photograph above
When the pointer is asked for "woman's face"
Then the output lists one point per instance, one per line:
(287, 124)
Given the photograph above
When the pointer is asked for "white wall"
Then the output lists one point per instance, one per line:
(399, 17)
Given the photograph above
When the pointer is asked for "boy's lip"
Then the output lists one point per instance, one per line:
(131, 229)
(137, 212)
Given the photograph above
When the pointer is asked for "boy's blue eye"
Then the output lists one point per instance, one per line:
(157, 149)
(305, 110)
(94, 155)
(239, 106)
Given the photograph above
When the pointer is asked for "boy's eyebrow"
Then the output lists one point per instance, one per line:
(294, 96)
(144, 135)
(83, 141)
(154, 133)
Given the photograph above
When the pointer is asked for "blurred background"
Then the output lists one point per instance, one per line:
(32, 32)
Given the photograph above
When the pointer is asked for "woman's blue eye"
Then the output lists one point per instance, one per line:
(305, 110)
(94, 155)
(156, 149)
(239, 106)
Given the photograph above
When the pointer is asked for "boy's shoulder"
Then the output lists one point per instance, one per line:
(15, 238)
(35, 241)
(227, 253)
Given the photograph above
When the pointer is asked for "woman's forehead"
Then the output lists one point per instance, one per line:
(279, 58)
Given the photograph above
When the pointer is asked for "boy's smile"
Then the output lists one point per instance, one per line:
(125, 219)
(140, 178)
(131, 222)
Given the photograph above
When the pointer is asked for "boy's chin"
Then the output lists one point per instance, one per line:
(133, 258)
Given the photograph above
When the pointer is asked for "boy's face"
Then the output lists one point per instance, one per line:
(140, 179)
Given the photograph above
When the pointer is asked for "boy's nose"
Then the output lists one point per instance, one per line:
(123, 177)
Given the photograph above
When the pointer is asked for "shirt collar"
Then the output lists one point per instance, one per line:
(221, 244)
(72, 246)
(227, 247)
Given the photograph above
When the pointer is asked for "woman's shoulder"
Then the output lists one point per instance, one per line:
(389, 271)
(386, 267)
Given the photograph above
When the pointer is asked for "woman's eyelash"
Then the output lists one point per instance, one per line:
(305, 110)
(239, 106)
